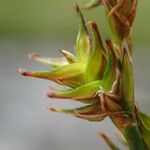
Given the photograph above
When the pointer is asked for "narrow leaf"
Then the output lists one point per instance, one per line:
(109, 142)
(54, 62)
(145, 119)
(85, 91)
(83, 41)
(127, 83)
(145, 128)
(81, 110)
(109, 74)
(65, 72)
(96, 62)
(90, 112)
(145, 133)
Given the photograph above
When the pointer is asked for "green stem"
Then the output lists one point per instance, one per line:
(128, 126)
(133, 137)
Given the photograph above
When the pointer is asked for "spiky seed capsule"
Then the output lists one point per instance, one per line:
(100, 74)
(86, 72)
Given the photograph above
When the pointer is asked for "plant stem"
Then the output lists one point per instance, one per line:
(133, 137)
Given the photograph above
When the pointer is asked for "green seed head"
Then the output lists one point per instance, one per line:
(100, 74)
(91, 74)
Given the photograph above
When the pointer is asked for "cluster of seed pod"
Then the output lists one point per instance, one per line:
(92, 74)
(100, 73)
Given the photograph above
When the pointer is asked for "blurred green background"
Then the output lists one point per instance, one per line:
(43, 26)
(56, 19)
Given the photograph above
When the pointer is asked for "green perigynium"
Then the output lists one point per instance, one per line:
(100, 74)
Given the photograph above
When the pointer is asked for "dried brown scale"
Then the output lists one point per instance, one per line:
(122, 22)
(108, 141)
(116, 7)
